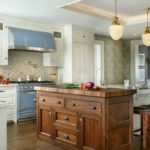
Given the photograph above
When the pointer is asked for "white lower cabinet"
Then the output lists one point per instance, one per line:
(3, 127)
(9, 96)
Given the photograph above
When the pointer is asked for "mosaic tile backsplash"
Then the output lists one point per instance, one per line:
(21, 63)
(116, 59)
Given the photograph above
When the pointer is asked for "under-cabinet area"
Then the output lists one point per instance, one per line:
(85, 120)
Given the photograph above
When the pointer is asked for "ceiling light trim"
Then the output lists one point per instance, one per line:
(70, 3)
(93, 11)
(78, 6)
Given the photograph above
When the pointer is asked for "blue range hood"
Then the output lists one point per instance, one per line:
(23, 39)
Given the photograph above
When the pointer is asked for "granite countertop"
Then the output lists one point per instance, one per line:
(104, 92)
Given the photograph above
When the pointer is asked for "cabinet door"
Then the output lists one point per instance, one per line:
(10, 99)
(83, 64)
(54, 59)
(3, 49)
(45, 121)
(91, 133)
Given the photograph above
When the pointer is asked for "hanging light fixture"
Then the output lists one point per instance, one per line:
(146, 34)
(116, 30)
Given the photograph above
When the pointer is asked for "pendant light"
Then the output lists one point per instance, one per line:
(146, 34)
(116, 30)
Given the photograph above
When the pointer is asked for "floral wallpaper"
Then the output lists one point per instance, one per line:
(116, 59)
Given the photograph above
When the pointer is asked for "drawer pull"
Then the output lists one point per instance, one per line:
(66, 118)
(66, 136)
(93, 107)
(59, 102)
(73, 104)
(81, 119)
(43, 99)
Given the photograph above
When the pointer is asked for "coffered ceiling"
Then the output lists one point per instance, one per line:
(96, 14)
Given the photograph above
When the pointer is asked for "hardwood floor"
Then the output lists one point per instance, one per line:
(22, 136)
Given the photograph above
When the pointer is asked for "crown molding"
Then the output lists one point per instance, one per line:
(136, 20)
(70, 3)
(90, 10)
(93, 11)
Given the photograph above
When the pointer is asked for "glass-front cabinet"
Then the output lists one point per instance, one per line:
(140, 62)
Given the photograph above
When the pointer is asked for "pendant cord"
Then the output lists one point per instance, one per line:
(115, 8)
(147, 16)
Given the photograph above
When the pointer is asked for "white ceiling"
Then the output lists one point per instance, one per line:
(49, 11)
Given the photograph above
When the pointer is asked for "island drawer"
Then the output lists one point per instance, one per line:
(65, 136)
(51, 101)
(67, 118)
(87, 106)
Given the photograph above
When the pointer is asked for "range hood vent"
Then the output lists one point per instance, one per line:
(30, 40)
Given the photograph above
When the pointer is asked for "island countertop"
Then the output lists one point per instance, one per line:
(103, 92)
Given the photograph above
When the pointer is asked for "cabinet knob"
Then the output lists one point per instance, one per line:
(66, 118)
(34, 100)
(59, 102)
(43, 99)
(93, 107)
(80, 119)
(50, 113)
(66, 136)
(73, 104)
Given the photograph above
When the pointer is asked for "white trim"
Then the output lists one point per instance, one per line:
(102, 59)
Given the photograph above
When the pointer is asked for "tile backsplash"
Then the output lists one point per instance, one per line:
(21, 63)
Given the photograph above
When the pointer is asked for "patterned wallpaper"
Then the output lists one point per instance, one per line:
(23, 63)
(116, 59)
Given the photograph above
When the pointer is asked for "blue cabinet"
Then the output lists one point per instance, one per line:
(26, 105)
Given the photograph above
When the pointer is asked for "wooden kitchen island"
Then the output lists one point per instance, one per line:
(85, 120)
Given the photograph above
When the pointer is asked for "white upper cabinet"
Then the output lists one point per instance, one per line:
(79, 55)
(3, 44)
(57, 58)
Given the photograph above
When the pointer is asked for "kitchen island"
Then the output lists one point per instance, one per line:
(90, 120)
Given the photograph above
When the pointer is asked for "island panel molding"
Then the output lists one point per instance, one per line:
(89, 120)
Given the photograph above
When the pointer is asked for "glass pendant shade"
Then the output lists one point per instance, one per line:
(146, 34)
(116, 30)
(146, 37)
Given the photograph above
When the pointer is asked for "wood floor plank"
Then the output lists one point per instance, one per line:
(22, 136)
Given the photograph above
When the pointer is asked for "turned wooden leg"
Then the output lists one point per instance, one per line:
(145, 128)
